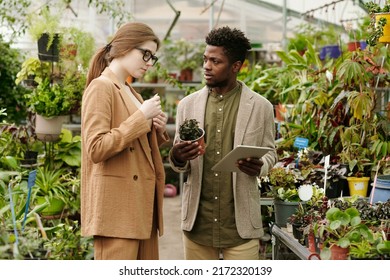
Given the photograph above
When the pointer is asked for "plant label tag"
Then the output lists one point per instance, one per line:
(327, 159)
(301, 142)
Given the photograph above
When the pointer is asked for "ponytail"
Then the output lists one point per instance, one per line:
(97, 65)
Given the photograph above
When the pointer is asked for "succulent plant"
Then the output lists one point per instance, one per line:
(189, 130)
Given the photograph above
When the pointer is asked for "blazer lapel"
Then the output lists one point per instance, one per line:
(243, 115)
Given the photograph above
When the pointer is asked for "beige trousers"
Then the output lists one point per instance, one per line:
(246, 251)
(111, 248)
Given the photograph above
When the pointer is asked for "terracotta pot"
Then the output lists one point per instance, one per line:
(353, 46)
(338, 253)
(311, 244)
(186, 75)
(201, 142)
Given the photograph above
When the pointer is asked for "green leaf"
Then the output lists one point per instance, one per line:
(343, 242)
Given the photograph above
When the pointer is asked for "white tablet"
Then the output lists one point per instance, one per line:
(228, 163)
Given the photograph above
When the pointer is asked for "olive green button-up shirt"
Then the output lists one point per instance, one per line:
(215, 222)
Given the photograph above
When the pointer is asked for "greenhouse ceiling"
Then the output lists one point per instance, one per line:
(264, 21)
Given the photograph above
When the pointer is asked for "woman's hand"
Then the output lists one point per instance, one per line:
(151, 107)
(160, 122)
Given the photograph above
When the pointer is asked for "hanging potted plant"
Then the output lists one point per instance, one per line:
(46, 30)
(50, 102)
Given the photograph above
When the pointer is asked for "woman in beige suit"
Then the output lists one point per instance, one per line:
(122, 172)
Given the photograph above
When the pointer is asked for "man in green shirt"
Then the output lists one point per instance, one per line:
(221, 210)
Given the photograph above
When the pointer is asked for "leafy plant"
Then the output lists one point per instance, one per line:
(181, 54)
(11, 95)
(33, 68)
(50, 100)
(84, 44)
(190, 130)
(344, 228)
(52, 184)
(68, 244)
(44, 22)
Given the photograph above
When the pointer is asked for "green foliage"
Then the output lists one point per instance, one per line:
(46, 21)
(33, 68)
(181, 54)
(85, 45)
(52, 184)
(114, 9)
(66, 243)
(68, 150)
(190, 130)
(50, 100)
(345, 229)
(11, 95)
(13, 14)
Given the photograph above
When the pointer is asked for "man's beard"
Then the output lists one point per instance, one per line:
(217, 84)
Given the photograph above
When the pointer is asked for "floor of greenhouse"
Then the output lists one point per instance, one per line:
(171, 245)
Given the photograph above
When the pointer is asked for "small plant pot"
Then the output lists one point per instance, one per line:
(186, 75)
(381, 192)
(358, 186)
(338, 253)
(201, 142)
(298, 232)
(30, 158)
(283, 211)
(48, 54)
(331, 51)
(56, 206)
(353, 46)
(48, 129)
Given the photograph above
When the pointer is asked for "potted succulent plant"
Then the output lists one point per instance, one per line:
(189, 130)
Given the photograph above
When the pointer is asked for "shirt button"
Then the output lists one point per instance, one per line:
(218, 130)
(215, 220)
(216, 197)
(220, 109)
(216, 174)
(135, 177)
(217, 153)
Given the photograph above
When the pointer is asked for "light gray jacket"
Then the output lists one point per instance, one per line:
(255, 127)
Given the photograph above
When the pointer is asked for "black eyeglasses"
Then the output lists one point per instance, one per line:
(148, 55)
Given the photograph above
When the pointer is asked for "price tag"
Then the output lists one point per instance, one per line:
(301, 142)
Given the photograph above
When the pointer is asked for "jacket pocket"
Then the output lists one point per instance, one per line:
(255, 209)
(185, 200)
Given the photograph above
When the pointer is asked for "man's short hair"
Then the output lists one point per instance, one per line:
(234, 42)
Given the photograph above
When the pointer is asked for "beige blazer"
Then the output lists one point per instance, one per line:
(122, 173)
(254, 126)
